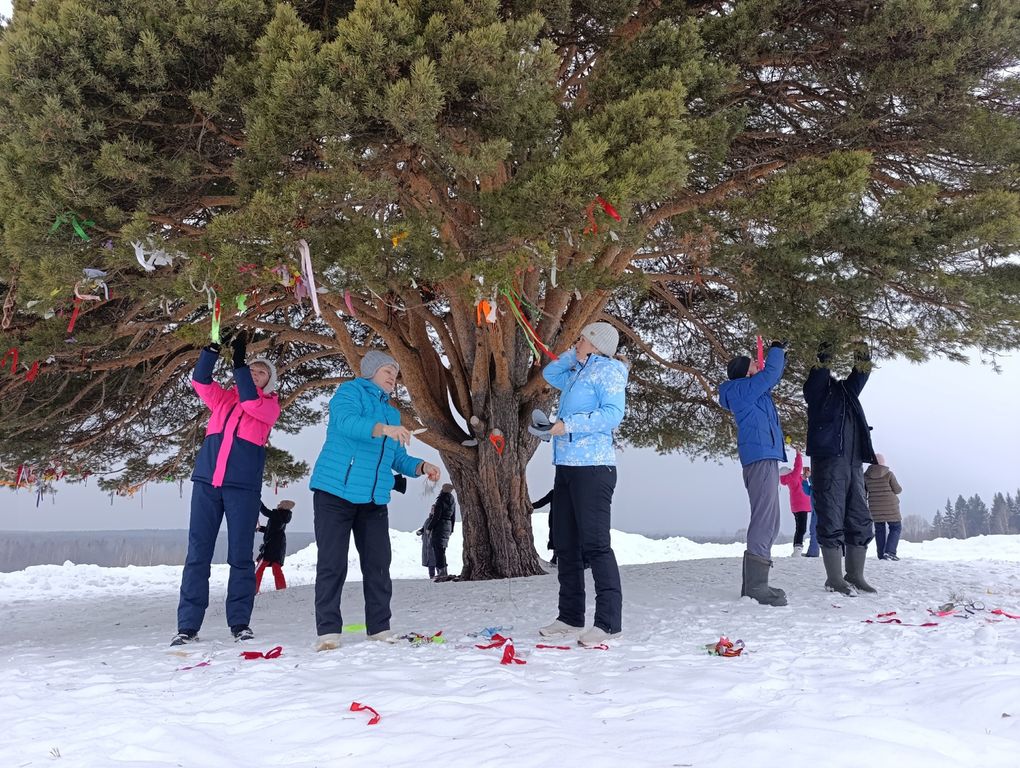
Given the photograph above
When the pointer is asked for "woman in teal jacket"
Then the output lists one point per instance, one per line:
(352, 480)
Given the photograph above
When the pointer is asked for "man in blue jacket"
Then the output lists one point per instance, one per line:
(352, 480)
(748, 396)
(839, 441)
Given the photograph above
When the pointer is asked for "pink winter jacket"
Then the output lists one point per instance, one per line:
(233, 452)
(799, 501)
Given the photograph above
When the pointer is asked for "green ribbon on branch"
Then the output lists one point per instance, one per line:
(70, 217)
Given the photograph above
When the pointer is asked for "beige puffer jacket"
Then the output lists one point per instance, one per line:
(882, 489)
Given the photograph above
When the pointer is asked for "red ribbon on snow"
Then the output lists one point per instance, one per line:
(761, 353)
(889, 618)
(195, 666)
(1000, 612)
(273, 653)
(497, 642)
(510, 655)
(726, 647)
(358, 707)
(553, 647)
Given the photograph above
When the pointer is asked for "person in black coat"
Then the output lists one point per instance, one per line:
(547, 499)
(274, 543)
(440, 526)
(839, 442)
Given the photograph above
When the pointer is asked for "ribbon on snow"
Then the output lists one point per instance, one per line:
(272, 653)
(417, 639)
(72, 218)
(726, 647)
(359, 707)
(1000, 612)
(543, 646)
(509, 653)
(308, 275)
(193, 666)
(890, 618)
(761, 353)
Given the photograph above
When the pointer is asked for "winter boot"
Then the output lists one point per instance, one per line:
(242, 632)
(597, 636)
(756, 581)
(328, 642)
(559, 629)
(441, 574)
(855, 557)
(774, 591)
(184, 636)
(797, 551)
(834, 582)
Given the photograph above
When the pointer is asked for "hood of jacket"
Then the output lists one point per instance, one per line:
(876, 470)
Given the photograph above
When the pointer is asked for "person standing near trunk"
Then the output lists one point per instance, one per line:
(884, 505)
(440, 525)
(592, 386)
(352, 480)
(839, 440)
(748, 396)
(800, 502)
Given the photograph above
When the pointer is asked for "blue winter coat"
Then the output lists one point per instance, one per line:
(829, 402)
(759, 436)
(352, 464)
(592, 404)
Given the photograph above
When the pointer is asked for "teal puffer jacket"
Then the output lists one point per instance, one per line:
(352, 464)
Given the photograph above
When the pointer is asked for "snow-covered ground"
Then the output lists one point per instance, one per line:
(90, 680)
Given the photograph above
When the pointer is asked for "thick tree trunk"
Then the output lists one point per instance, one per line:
(493, 495)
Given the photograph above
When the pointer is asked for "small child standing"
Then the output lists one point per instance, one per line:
(274, 543)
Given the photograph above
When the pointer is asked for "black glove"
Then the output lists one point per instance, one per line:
(777, 344)
(862, 352)
(825, 352)
(239, 345)
(214, 348)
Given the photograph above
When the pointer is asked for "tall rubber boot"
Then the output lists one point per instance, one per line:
(756, 581)
(855, 557)
(833, 559)
(775, 591)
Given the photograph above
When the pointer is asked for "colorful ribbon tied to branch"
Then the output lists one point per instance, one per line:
(761, 353)
(485, 311)
(593, 226)
(516, 299)
(309, 275)
(359, 707)
(498, 441)
(11, 354)
(72, 218)
(398, 238)
(74, 315)
(156, 257)
(216, 316)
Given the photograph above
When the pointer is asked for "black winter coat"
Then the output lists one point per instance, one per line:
(830, 402)
(274, 541)
(442, 519)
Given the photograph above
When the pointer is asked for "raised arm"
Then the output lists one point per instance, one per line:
(557, 373)
(861, 371)
(211, 393)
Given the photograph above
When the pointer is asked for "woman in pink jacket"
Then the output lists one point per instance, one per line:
(800, 502)
(227, 481)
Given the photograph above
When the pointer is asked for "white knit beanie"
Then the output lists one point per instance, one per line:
(271, 384)
(604, 337)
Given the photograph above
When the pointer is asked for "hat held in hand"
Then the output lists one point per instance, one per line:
(540, 425)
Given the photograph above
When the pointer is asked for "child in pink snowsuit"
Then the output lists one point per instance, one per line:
(800, 502)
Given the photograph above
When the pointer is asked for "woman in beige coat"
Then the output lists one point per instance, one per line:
(883, 501)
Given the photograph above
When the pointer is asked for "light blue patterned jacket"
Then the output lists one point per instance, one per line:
(592, 404)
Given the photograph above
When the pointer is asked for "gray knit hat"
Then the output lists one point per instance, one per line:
(604, 337)
(271, 384)
(373, 361)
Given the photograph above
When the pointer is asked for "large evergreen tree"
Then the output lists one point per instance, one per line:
(699, 171)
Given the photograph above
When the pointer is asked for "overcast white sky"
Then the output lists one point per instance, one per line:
(945, 428)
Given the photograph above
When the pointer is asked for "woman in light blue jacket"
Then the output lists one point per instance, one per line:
(592, 403)
(352, 480)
